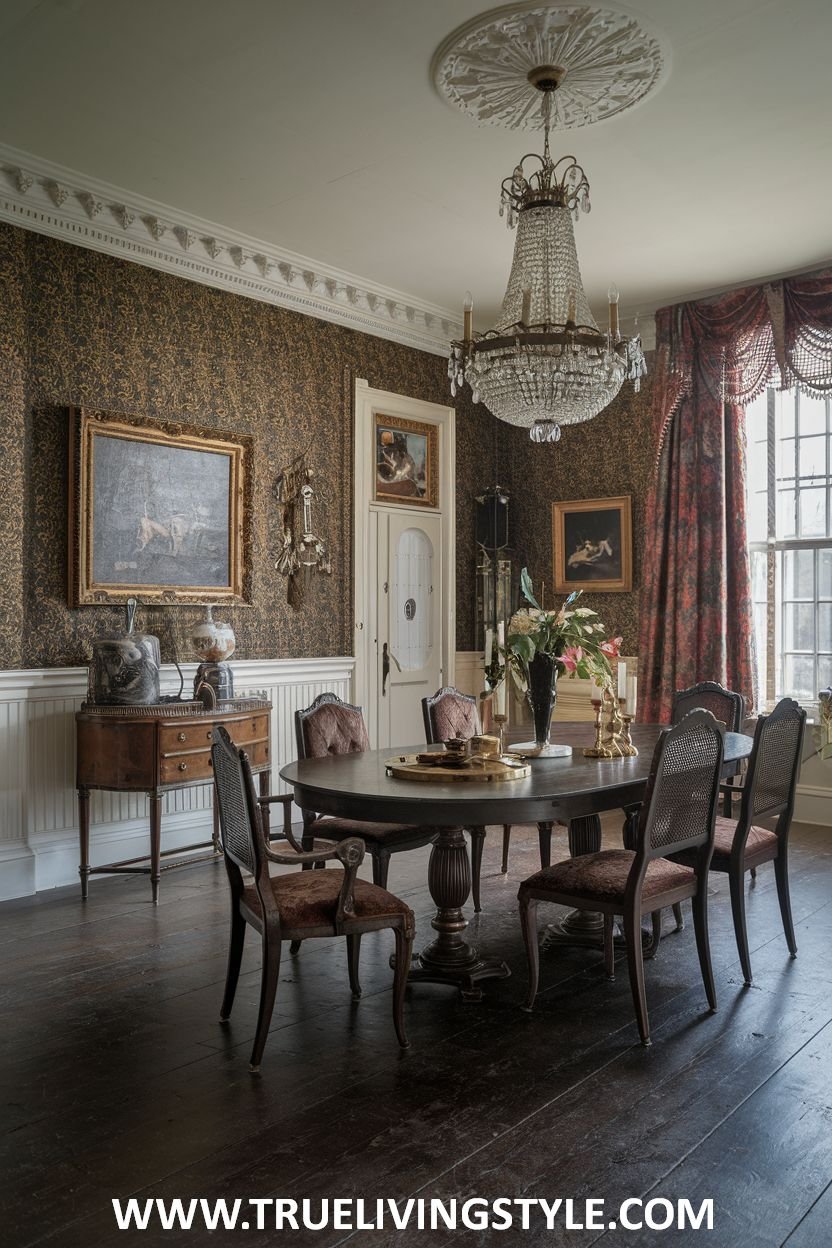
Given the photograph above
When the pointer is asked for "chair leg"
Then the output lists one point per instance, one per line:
(753, 874)
(506, 843)
(544, 836)
(635, 965)
(353, 955)
(656, 922)
(528, 922)
(703, 943)
(679, 916)
(404, 949)
(268, 991)
(294, 946)
(609, 947)
(381, 865)
(235, 958)
(737, 882)
(781, 876)
(477, 844)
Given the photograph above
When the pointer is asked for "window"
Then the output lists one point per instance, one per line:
(790, 540)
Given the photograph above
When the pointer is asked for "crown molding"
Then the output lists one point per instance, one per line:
(46, 198)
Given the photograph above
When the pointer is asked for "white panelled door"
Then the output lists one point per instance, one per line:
(409, 623)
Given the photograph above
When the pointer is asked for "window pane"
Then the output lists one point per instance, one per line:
(825, 573)
(799, 620)
(825, 626)
(784, 407)
(785, 459)
(799, 677)
(757, 517)
(813, 457)
(812, 414)
(812, 513)
(824, 672)
(785, 513)
(798, 574)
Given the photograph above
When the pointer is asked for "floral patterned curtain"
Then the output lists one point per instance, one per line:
(712, 357)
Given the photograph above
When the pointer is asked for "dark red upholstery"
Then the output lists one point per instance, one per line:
(454, 717)
(334, 828)
(758, 838)
(310, 899)
(604, 875)
(334, 729)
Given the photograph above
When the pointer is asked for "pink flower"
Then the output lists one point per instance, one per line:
(571, 657)
(612, 647)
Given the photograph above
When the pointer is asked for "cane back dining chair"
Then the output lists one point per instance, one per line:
(768, 795)
(297, 906)
(726, 706)
(678, 813)
(449, 713)
(331, 726)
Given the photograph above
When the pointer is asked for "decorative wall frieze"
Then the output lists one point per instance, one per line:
(50, 199)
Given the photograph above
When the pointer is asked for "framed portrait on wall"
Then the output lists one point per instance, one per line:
(592, 542)
(158, 512)
(406, 462)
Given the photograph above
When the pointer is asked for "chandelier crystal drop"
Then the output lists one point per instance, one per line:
(545, 364)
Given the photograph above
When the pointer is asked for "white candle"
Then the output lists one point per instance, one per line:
(632, 694)
(501, 634)
(622, 679)
(500, 698)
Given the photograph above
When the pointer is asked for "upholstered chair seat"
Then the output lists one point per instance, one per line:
(760, 842)
(310, 900)
(603, 876)
(335, 828)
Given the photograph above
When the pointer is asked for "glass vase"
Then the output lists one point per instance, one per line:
(541, 695)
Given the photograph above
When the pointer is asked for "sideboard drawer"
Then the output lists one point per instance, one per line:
(184, 737)
(252, 728)
(186, 768)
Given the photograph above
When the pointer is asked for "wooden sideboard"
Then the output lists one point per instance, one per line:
(152, 750)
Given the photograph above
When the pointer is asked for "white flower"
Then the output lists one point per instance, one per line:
(524, 621)
(584, 611)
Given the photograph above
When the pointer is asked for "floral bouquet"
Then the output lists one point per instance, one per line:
(542, 645)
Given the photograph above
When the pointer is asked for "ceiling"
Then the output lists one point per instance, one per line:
(315, 127)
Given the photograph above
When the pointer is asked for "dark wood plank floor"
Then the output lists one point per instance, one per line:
(118, 1081)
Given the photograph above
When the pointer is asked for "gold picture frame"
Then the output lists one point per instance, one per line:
(592, 545)
(157, 511)
(406, 460)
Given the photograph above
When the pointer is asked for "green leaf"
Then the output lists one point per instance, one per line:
(523, 646)
(526, 588)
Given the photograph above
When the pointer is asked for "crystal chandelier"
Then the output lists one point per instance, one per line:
(546, 363)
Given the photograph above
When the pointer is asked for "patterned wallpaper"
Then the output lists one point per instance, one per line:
(77, 327)
(84, 328)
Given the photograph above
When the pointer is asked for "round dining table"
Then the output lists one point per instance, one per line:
(571, 790)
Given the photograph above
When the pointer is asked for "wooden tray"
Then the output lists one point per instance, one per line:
(406, 767)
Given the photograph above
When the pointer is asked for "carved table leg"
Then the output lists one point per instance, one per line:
(155, 844)
(579, 927)
(449, 959)
(84, 837)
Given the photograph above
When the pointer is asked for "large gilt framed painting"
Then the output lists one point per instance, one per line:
(406, 462)
(157, 512)
(592, 541)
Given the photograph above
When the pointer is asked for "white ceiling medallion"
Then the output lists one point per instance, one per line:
(607, 59)
(51, 199)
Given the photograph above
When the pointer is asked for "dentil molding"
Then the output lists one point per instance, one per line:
(51, 199)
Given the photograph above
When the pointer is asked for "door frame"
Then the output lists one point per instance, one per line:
(368, 401)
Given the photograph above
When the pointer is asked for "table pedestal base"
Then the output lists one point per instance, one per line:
(449, 959)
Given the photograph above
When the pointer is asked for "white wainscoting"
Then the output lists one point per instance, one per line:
(38, 811)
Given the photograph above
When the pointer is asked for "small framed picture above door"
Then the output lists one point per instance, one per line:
(406, 462)
(592, 541)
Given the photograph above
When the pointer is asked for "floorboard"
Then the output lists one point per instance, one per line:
(117, 1079)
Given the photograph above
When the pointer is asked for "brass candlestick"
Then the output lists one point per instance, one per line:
(612, 728)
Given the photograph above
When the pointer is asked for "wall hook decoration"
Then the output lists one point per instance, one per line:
(303, 551)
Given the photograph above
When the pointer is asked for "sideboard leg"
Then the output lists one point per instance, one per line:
(84, 837)
(155, 844)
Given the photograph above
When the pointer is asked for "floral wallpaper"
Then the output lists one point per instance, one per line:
(78, 327)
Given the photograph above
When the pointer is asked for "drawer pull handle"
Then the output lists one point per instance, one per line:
(182, 736)
(183, 766)
(208, 734)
